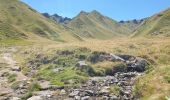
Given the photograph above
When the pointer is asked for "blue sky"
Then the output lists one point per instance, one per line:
(115, 9)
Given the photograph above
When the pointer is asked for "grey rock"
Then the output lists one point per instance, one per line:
(62, 92)
(113, 97)
(15, 98)
(105, 98)
(85, 98)
(81, 64)
(74, 93)
(35, 98)
(77, 98)
(90, 92)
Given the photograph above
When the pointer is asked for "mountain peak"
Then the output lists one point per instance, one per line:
(95, 12)
(83, 13)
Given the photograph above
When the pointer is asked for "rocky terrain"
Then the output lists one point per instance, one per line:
(119, 85)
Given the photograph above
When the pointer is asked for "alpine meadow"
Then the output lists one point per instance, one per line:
(91, 56)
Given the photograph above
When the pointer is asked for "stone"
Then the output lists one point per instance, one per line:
(90, 92)
(113, 97)
(116, 58)
(139, 65)
(56, 70)
(74, 93)
(105, 98)
(62, 92)
(81, 64)
(35, 98)
(104, 90)
(85, 98)
(45, 85)
(77, 98)
(125, 92)
(15, 98)
(16, 68)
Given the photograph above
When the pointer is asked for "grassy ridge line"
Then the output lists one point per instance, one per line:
(19, 21)
(95, 25)
(157, 25)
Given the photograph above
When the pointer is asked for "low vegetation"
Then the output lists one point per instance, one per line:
(59, 56)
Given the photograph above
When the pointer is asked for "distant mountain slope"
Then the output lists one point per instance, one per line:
(95, 25)
(57, 18)
(157, 25)
(132, 24)
(19, 21)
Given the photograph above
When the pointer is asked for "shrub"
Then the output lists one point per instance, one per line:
(15, 85)
(34, 87)
(119, 68)
(12, 77)
(26, 96)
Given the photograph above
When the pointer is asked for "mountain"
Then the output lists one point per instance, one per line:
(95, 25)
(57, 18)
(132, 24)
(19, 21)
(157, 25)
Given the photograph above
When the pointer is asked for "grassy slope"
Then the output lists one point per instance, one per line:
(19, 21)
(95, 25)
(154, 85)
(158, 24)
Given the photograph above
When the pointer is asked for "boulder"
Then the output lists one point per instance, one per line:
(81, 64)
(139, 65)
(105, 98)
(56, 70)
(45, 85)
(85, 98)
(114, 57)
(16, 68)
(113, 97)
(89, 92)
(35, 98)
(74, 93)
(77, 98)
(15, 98)
(104, 90)
(62, 92)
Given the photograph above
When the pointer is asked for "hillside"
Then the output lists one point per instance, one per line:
(95, 25)
(19, 21)
(157, 25)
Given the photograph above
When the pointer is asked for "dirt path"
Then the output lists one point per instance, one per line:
(13, 65)
(8, 65)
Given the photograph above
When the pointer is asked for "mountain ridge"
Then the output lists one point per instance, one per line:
(156, 25)
(94, 25)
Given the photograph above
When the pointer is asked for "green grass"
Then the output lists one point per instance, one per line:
(14, 42)
(67, 77)
(12, 77)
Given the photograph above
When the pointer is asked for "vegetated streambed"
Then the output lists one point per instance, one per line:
(118, 86)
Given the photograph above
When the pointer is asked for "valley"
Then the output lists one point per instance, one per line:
(53, 73)
(88, 57)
